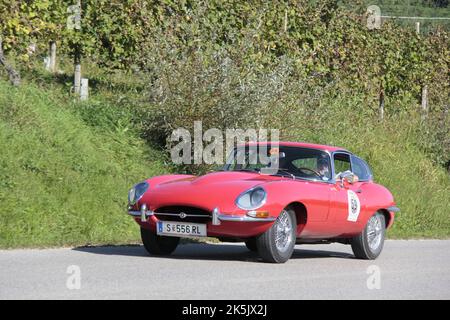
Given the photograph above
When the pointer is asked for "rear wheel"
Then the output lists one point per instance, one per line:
(158, 245)
(276, 245)
(369, 244)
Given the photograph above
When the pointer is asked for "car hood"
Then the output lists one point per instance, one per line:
(207, 191)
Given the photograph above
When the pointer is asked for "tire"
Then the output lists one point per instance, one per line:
(266, 242)
(158, 245)
(251, 244)
(369, 243)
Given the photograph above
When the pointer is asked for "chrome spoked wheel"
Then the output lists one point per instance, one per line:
(283, 231)
(276, 245)
(369, 243)
(374, 232)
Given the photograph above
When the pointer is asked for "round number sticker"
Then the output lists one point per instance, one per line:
(354, 206)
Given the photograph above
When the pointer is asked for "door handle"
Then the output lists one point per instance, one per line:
(358, 191)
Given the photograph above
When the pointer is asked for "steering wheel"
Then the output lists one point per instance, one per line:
(310, 170)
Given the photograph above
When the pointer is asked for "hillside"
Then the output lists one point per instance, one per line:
(62, 181)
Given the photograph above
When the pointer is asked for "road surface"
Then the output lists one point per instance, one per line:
(412, 269)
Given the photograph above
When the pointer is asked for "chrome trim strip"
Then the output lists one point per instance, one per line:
(144, 213)
(393, 209)
(224, 217)
(215, 217)
(178, 215)
(134, 213)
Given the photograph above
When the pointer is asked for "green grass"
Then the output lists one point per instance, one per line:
(64, 175)
(421, 188)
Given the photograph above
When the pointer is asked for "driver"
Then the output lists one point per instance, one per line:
(323, 168)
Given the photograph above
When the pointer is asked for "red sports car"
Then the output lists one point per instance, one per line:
(315, 194)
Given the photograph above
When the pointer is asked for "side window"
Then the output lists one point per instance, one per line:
(305, 163)
(341, 162)
(361, 169)
(318, 163)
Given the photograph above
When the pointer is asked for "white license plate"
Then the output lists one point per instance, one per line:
(180, 229)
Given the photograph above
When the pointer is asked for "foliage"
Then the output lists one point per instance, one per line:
(26, 23)
(325, 39)
(218, 61)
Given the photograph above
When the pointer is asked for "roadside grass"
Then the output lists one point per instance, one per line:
(63, 179)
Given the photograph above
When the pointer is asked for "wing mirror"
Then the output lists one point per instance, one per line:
(347, 176)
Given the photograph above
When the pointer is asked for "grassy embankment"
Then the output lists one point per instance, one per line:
(65, 169)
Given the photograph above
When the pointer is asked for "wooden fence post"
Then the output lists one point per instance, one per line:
(84, 92)
(52, 64)
(424, 101)
(77, 55)
(381, 104)
(285, 20)
(77, 73)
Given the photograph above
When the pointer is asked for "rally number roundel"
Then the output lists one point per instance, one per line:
(354, 206)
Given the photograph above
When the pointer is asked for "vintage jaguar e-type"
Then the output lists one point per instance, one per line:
(314, 194)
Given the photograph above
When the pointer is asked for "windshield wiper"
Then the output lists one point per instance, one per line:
(255, 170)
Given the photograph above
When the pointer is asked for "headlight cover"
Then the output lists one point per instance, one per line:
(252, 199)
(136, 193)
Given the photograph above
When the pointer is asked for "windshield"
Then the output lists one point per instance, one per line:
(296, 162)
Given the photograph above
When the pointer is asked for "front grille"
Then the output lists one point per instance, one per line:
(192, 214)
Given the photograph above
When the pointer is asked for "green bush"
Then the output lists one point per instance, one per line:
(234, 65)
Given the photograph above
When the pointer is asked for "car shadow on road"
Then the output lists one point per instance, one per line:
(206, 251)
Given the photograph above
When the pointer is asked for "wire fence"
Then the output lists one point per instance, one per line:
(421, 24)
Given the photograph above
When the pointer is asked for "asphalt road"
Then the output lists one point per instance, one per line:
(405, 270)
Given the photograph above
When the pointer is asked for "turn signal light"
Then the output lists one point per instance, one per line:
(258, 214)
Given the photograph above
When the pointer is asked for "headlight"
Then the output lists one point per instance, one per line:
(252, 199)
(136, 193)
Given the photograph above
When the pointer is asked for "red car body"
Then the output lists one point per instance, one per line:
(321, 207)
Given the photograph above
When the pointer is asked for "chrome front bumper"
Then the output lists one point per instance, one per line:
(216, 216)
(393, 209)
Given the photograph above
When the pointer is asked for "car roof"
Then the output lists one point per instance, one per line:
(301, 145)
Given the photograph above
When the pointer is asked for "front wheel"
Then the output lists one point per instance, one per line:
(251, 244)
(276, 245)
(158, 245)
(369, 243)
